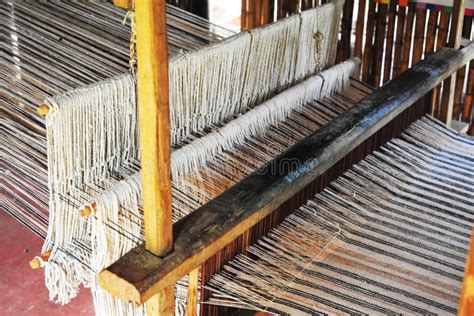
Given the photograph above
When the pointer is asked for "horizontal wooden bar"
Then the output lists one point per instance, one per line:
(139, 274)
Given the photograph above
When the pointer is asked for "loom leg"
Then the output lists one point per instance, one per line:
(162, 304)
(193, 284)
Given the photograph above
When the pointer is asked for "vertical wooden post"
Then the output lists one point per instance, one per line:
(243, 16)
(124, 4)
(440, 42)
(193, 284)
(446, 111)
(153, 101)
(466, 302)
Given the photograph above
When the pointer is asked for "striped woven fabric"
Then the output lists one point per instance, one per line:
(389, 236)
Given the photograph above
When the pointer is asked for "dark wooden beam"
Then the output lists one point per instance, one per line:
(139, 274)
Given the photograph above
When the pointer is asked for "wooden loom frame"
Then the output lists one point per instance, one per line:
(149, 271)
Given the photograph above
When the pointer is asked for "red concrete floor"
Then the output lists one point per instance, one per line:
(22, 290)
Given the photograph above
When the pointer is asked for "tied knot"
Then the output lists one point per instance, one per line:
(318, 37)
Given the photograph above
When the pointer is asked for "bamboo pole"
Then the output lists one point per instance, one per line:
(446, 110)
(153, 99)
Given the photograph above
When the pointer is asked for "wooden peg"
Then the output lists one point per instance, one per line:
(87, 210)
(35, 263)
(43, 109)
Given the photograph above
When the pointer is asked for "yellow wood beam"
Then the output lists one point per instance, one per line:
(153, 100)
(193, 286)
(124, 4)
(466, 302)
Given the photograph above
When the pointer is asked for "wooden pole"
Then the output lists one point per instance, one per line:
(446, 110)
(155, 140)
(466, 303)
(124, 4)
(193, 284)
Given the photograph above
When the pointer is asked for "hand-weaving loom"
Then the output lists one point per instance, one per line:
(205, 129)
(220, 136)
(304, 170)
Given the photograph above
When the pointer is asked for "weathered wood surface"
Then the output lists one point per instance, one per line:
(139, 274)
(447, 101)
(193, 286)
(153, 100)
(155, 135)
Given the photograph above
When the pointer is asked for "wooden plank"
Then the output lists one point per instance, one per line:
(139, 274)
(265, 12)
(280, 13)
(468, 100)
(379, 45)
(271, 11)
(243, 16)
(407, 38)
(431, 32)
(462, 73)
(258, 12)
(447, 102)
(193, 285)
(419, 36)
(344, 45)
(251, 14)
(397, 59)
(369, 39)
(440, 42)
(443, 29)
(389, 43)
(360, 30)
